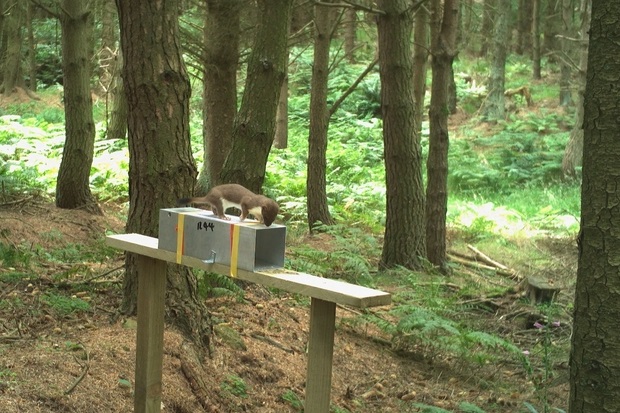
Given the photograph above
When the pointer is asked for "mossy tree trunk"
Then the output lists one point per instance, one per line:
(161, 165)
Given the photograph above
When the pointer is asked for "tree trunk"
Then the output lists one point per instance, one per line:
(318, 210)
(161, 165)
(72, 185)
(32, 61)
(524, 36)
(117, 124)
(280, 140)
(551, 28)
(420, 57)
(254, 125)
(13, 33)
(404, 241)
(489, 12)
(574, 149)
(595, 354)
(493, 108)
(350, 29)
(536, 39)
(221, 38)
(443, 34)
(566, 98)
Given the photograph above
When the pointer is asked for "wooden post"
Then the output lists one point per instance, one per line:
(320, 355)
(150, 336)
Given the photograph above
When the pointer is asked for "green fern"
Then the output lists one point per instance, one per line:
(532, 409)
(425, 408)
(466, 407)
(218, 285)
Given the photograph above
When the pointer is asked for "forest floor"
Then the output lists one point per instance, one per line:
(56, 356)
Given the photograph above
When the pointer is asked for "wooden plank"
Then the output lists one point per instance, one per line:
(299, 283)
(320, 356)
(150, 334)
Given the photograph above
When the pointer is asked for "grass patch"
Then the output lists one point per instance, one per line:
(63, 305)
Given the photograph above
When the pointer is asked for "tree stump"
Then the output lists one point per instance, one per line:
(541, 291)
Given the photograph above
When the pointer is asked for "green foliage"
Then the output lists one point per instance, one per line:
(14, 256)
(290, 397)
(47, 52)
(13, 277)
(439, 334)
(532, 409)
(218, 285)
(368, 98)
(348, 254)
(466, 407)
(235, 386)
(509, 160)
(64, 305)
(8, 378)
(425, 408)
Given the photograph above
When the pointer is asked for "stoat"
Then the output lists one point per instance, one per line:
(225, 196)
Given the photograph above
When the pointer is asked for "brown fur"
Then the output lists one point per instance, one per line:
(225, 196)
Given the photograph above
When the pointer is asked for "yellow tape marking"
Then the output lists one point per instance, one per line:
(234, 249)
(180, 236)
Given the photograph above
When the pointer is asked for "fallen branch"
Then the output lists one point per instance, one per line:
(475, 264)
(85, 369)
(194, 372)
(272, 342)
(485, 258)
(17, 201)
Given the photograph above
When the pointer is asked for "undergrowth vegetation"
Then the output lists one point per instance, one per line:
(505, 190)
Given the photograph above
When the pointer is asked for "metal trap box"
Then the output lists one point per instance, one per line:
(198, 233)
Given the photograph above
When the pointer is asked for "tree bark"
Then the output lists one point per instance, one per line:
(161, 165)
(551, 28)
(420, 57)
(104, 71)
(117, 123)
(574, 148)
(254, 125)
(489, 11)
(32, 61)
(536, 39)
(493, 108)
(404, 241)
(443, 34)
(350, 29)
(524, 37)
(316, 185)
(280, 140)
(566, 98)
(595, 354)
(72, 185)
(13, 33)
(221, 39)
